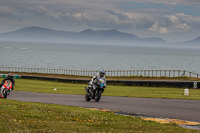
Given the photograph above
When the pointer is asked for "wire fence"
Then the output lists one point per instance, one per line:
(144, 73)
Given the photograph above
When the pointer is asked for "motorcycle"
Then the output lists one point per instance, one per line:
(95, 94)
(5, 89)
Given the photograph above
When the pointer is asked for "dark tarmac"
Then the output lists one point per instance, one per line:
(163, 108)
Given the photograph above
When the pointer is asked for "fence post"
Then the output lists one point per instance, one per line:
(156, 73)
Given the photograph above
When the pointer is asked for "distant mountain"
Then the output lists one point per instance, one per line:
(191, 43)
(194, 41)
(154, 40)
(36, 34)
(87, 36)
(110, 36)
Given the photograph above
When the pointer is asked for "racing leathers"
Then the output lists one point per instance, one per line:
(8, 78)
(94, 81)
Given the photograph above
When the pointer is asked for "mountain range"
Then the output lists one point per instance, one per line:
(39, 34)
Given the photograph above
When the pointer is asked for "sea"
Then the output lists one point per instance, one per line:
(97, 57)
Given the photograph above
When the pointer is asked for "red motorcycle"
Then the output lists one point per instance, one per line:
(5, 89)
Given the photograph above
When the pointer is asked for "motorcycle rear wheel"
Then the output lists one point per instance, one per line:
(87, 97)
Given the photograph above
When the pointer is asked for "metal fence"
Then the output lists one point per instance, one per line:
(144, 73)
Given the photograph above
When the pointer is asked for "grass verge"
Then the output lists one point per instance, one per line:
(125, 91)
(27, 117)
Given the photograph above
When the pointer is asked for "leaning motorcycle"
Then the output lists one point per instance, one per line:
(95, 94)
(5, 89)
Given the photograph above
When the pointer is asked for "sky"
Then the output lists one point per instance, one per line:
(171, 20)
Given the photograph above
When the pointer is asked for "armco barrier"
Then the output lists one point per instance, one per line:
(177, 84)
(56, 79)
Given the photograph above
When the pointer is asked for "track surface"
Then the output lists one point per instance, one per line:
(168, 108)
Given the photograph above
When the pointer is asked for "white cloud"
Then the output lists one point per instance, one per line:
(77, 15)
(182, 28)
(173, 24)
(173, 19)
(194, 21)
(176, 25)
(155, 27)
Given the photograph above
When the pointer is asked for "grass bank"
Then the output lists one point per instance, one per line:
(38, 117)
(124, 91)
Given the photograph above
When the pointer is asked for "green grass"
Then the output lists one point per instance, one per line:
(24, 117)
(125, 91)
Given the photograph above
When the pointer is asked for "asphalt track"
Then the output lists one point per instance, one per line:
(165, 108)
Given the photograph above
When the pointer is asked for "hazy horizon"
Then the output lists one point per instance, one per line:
(88, 36)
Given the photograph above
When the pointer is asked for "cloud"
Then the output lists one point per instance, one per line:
(5, 12)
(182, 28)
(172, 19)
(155, 27)
(77, 15)
(170, 2)
(174, 24)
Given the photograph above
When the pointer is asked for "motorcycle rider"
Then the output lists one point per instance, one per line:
(8, 77)
(94, 81)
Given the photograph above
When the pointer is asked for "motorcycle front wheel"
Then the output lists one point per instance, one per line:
(98, 95)
(5, 93)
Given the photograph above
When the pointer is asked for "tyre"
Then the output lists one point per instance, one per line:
(87, 97)
(5, 93)
(98, 95)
